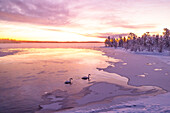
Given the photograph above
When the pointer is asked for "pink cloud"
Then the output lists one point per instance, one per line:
(35, 12)
(73, 13)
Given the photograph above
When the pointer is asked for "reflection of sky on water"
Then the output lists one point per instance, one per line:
(28, 74)
(32, 72)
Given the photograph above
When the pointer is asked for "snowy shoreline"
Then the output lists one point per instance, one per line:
(133, 65)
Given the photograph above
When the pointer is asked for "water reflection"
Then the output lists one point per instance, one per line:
(31, 72)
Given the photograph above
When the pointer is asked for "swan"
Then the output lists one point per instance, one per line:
(85, 77)
(68, 82)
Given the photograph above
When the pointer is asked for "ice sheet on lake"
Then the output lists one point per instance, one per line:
(155, 104)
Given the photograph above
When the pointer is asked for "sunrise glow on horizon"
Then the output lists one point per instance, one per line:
(76, 20)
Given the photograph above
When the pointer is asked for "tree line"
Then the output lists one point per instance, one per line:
(145, 42)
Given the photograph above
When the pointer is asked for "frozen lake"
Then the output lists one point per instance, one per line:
(38, 68)
(29, 71)
(34, 69)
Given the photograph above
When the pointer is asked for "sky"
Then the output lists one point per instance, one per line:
(81, 20)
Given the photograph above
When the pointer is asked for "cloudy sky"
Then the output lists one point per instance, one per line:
(81, 20)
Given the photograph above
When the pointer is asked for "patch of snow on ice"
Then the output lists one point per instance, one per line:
(124, 64)
(141, 75)
(158, 69)
(149, 64)
(53, 98)
(155, 104)
(53, 106)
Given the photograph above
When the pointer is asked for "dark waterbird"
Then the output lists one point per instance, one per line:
(86, 77)
(69, 82)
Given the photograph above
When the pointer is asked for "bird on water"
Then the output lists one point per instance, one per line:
(86, 77)
(69, 82)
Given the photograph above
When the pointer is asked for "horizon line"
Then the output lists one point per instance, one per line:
(32, 41)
